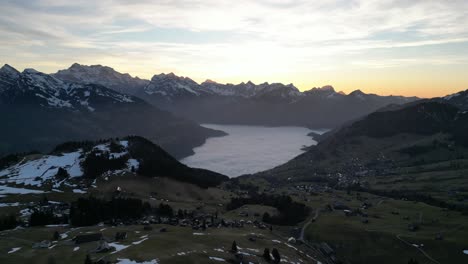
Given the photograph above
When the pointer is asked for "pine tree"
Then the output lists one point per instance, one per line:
(276, 255)
(266, 254)
(234, 247)
(88, 260)
(266, 217)
(56, 235)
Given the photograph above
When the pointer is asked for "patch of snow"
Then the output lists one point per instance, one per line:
(128, 261)
(290, 246)
(51, 247)
(200, 234)
(13, 190)
(62, 225)
(219, 249)
(13, 250)
(76, 249)
(139, 242)
(245, 253)
(26, 212)
(133, 163)
(78, 191)
(9, 204)
(276, 241)
(35, 172)
(124, 143)
(465, 252)
(218, 259)
(118, 247)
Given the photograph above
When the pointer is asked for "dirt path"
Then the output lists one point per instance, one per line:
(301, 235)
(417, 247)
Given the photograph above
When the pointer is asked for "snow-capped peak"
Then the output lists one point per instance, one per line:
(102, 75)
(37, 88)
(9, 71)
(171, 85)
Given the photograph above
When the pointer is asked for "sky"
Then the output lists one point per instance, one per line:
(417, 47)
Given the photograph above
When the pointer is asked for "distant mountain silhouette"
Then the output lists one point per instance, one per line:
(273, 104)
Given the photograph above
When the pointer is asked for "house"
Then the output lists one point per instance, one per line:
(413, 227)
(120, 236)
(86, 238)
(103, 247)
(42, 244)
(326, 249)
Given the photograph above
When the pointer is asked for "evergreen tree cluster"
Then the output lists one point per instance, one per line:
(45, 217)
(91, 210)
(97, 162)
(72, 146)
(290, 212)
(62, 174)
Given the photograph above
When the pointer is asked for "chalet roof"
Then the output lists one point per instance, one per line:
(79, 239)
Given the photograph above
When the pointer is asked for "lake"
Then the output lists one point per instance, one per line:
(249, 149)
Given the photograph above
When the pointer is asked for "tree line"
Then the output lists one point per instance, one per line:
(290, 212)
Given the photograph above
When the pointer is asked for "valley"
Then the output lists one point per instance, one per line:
(233, 132)
(136, 184)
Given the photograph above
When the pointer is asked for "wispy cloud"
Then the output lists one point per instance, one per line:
(233, 39)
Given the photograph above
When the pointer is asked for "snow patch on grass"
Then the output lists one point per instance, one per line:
(218, 259)
(118, 247)
(35, 172)
(128, 261)
(13, 250)
(139, 242)
(13, 190)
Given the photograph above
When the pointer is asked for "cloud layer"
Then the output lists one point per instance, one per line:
(306, 42)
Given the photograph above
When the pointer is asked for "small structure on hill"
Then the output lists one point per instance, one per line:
(103, 247)
(42, 244)
(326, 249)
(413, 227)
(120, 236)
(86, 238)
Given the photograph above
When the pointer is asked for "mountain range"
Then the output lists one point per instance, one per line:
(40, 111)
(271, 104)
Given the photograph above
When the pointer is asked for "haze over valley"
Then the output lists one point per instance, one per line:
(249, 149)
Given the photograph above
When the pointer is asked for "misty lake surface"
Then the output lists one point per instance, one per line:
(249, 149)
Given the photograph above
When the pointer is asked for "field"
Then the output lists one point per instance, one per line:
(386, 238)
(177, 245)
